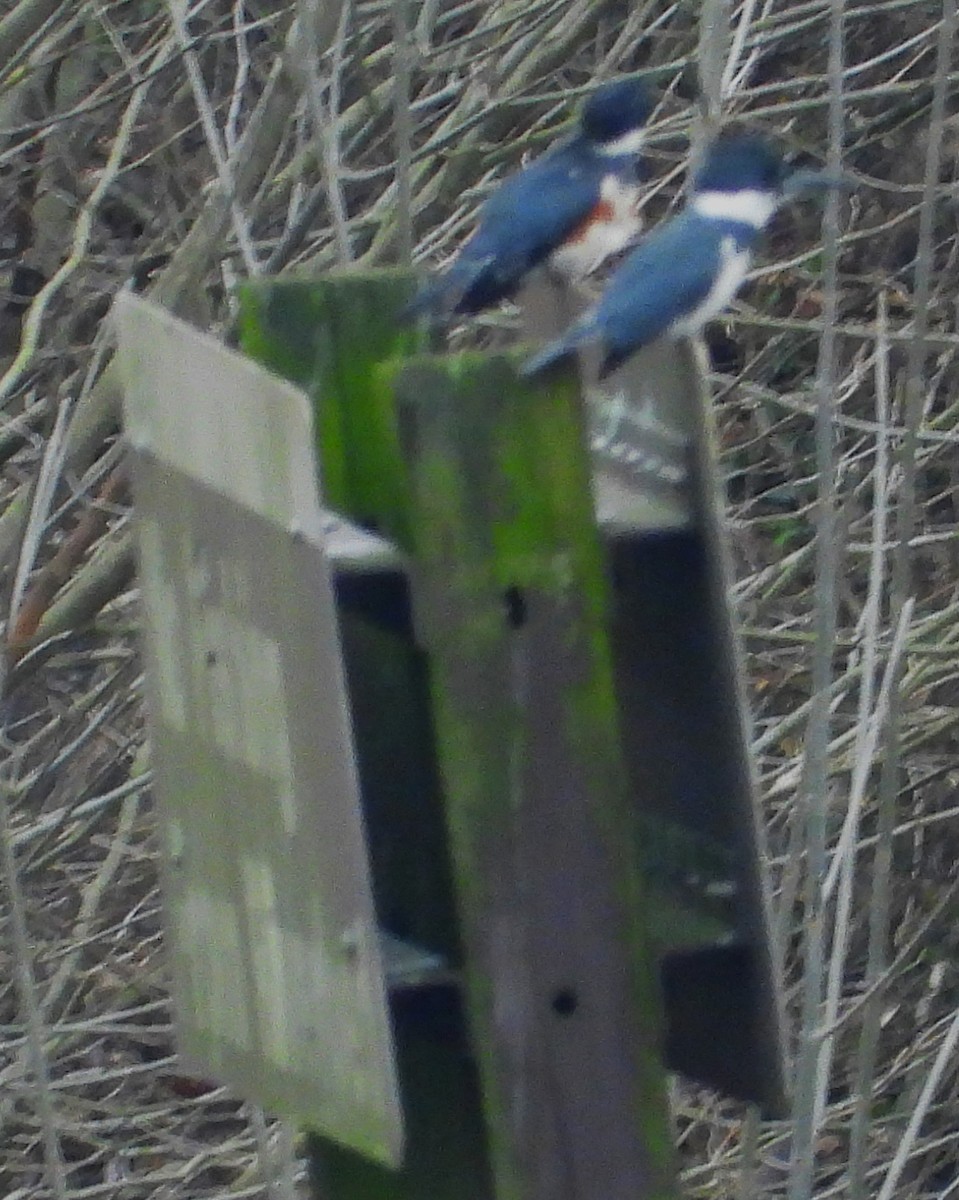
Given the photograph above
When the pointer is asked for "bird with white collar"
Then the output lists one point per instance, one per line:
(688, 270)
(573, 207)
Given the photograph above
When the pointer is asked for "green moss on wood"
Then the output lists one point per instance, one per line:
(328, 335)
(502, 500)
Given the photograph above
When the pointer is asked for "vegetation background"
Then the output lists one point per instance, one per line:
(175, 149)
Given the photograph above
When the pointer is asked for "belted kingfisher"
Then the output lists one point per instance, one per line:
(575, 206)
(690, 268)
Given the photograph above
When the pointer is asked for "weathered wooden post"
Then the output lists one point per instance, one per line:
(286, 983)
(564, 1016)
(512, 603)
(329, 336)
(547, 720)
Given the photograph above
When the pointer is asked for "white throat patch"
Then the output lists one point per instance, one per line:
(751, 207)
(628, 143)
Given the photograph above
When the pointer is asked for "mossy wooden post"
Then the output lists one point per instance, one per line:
(328, 335)
(512, 603)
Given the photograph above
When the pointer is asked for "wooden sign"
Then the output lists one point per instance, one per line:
(277, 974)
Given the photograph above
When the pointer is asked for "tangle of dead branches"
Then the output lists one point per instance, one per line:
(175, 148)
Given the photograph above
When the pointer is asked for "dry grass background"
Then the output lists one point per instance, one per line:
(174, 152)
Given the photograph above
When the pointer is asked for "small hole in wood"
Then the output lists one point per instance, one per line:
(211, 658)
(515, 603)
(565, 1002)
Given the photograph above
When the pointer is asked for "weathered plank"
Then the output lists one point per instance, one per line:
(753, 1011)
(512, 602)
(681, 690)
(278, 982)
(638, 425)
(328, 335)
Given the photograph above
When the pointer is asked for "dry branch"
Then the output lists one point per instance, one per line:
(221, 170)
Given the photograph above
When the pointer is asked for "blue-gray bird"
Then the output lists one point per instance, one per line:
(573, 207)
(689, 269)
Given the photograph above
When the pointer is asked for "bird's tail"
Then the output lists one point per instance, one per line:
(443, 295)
(435, 300)
(560, 350)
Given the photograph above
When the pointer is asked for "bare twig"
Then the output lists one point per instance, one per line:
(403, 123)
(29, 998)
(324, 99)
(880, 899)
(179, 16)
(920, 1111)
(81, 237)
(809, 1086)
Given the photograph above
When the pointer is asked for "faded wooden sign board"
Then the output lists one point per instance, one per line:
(278, 980)
(687, 735)
(683, 707)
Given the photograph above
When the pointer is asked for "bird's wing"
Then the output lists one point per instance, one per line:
(440, 295)
(525, 219)
(533, 211)
(668, 275)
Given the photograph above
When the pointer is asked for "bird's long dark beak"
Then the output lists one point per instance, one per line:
(808, 183)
